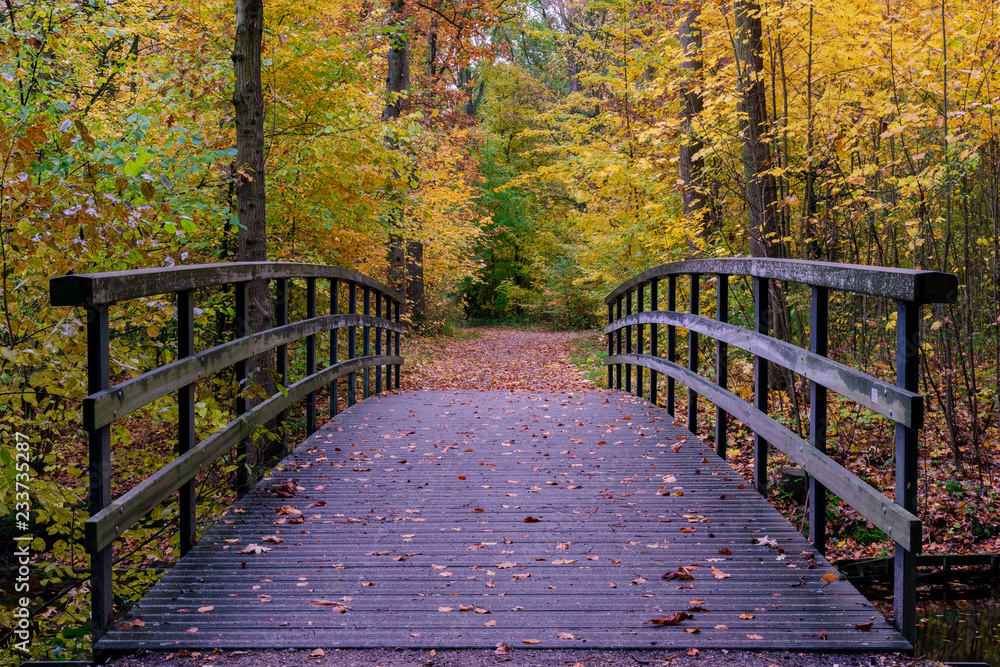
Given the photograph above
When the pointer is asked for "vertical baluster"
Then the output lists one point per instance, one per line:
(396, 320)
(611, 346)
(671, 344)
(352, 339)
(185, 418)
(640, 290)
(334, 333)
(761, 325)
(367, 345)
(721, 362)
(378, 341)
(618, 342)
(281, 355)
(654, 342)
(241, 326)
(693, 356)
(310, 357)
(818, 335)
(99, 379)
(628, 342)
(904, 600)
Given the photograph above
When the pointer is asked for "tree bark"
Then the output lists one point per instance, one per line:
(692, 167)
(760, 187)
(397, 80)
(248, 103)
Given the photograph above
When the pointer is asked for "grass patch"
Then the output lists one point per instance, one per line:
(588, 353)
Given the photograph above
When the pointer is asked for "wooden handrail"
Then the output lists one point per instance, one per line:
(105, 404)
(910, 289)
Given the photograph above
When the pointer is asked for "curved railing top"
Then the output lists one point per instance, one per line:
(95, 289)
(900, 284)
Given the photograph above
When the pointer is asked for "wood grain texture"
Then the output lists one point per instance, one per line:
(416, 502)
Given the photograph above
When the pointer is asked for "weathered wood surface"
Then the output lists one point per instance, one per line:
(416, 502)
(904, 407)
(90, 289)
(902, 526)
(126, 397)
(900, 284)
(106, 525)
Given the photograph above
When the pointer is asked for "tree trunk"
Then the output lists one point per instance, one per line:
(397, 80)
(760, 187)
(248, 102)
(761, 190)
(692, 167)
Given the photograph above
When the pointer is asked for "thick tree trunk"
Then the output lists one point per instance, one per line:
(248, 103)
(692, 167)
(406, 270)
(761, 188)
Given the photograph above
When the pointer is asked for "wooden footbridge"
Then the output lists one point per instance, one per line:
(437, 519)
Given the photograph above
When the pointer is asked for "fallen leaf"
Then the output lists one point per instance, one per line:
(863, 627)
(489, 624)
(693, 652)
(531, 519)
(532, 641)
(415, 634)
(480, 610)
(673, 619)
(502, 649)
(192, 630)
(721, 627)
(754, 637)
(719, 574)
(445, 609)
(253, 549)
(747, 617)
(506, 564)
(830, 577)
(638, 581)
(318, 653)
(682, 573)
(565, 635)
(465, 607)
(202, 610)
(822, 634)
(693, 631)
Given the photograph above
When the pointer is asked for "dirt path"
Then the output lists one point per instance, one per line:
(496, 358)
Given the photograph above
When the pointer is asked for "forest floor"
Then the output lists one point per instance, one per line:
(518, 360)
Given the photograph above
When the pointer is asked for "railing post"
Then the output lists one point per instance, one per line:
(904, 600)
(281, 354)
(98, 379)
(241, 326)
(671, 344)
(334, 334)
(721, 362)
(618, 342)
(378, 342)
(639, 293)
(352, 339)
(654, 304)
(367, 345)
(185, 419)
(693, 357)
(818, 340)
(761, 325)
(611, 346)
(628, 342)
(310, 359)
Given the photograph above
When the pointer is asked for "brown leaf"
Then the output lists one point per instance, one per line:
(682, 573)
(489, 624)
(830, 577)
(465, 607)
(532, 641)
(673, 619)
(202, 610)
(693, 652)
(318, 653)
(754, 637)
(693, 631)
(719, 574)
(747, 617)
(531, 519)
(445, 609)
(863, 627)
(565, 635)
(502, 649)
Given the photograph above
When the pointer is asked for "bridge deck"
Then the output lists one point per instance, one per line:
(549, 518)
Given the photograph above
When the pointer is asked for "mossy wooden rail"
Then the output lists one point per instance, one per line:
(105, 404)
(901, 403)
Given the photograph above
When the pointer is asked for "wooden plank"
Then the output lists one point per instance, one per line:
(902, 406)
(126, 397)
(901, 526)
(900, 284)
(104, 526)
(402, 476)
(89, 289)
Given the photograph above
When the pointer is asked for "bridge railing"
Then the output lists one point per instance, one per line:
(629, 313)
(105, 404)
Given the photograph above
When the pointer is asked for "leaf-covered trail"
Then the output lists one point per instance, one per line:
(498, 358)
